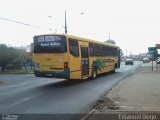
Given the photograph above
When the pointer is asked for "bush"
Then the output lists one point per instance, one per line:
(7, 55)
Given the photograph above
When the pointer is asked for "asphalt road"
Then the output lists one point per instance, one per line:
(24, 93)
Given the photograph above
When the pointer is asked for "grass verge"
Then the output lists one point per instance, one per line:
(16, 72)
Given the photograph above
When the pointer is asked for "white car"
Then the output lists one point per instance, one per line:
(158, 60)
(129, 61)
(146, 60)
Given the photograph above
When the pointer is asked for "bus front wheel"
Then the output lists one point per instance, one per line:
(94, 73)
(114, 70)
(37, 75)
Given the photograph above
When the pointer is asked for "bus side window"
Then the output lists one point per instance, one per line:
(84, 52)
(103, 50)
(112, 51)
(73, 47)
(116, 52)
(108, 51)
(97, 50)
(91, 49)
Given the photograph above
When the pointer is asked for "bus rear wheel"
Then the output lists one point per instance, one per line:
(94, 73)
(114, 69)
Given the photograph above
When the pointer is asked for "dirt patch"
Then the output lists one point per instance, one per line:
(0, 82)
(105, 103)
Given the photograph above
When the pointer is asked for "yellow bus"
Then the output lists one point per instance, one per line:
(71, 57)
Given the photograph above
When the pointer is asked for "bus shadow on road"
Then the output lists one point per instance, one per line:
(69, 83)
(65, 83)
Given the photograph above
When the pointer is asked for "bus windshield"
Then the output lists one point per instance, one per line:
(50, 44)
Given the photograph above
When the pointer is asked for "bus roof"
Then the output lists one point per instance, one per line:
(81, 38)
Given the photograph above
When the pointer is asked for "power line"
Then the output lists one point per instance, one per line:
(20, 22)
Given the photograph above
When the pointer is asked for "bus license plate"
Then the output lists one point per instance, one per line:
(49, 75)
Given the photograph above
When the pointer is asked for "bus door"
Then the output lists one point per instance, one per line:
(84, 62)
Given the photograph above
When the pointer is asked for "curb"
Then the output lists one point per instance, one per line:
(88, 115)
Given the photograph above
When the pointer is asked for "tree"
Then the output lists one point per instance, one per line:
(17, 62)
(7, 55)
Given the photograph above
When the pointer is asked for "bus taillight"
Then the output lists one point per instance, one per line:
(65, 64)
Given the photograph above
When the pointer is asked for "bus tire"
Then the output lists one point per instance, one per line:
(36, 75)
(94, 73)
(114, 70)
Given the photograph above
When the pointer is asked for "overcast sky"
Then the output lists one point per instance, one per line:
(133, 24)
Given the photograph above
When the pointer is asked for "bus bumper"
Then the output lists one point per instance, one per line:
(64, 74)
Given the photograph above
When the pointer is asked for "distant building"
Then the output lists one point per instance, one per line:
(29, 48)
(110, 40)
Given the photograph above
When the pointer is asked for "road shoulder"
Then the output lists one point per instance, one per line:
(138, 92)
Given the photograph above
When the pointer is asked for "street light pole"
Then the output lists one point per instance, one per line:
(65, 23)
(65, 27)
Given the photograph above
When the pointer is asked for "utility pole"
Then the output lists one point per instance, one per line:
(65, 27)
(126, 53)
(109, 36)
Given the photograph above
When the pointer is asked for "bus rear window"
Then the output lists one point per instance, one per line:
(50, 44)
